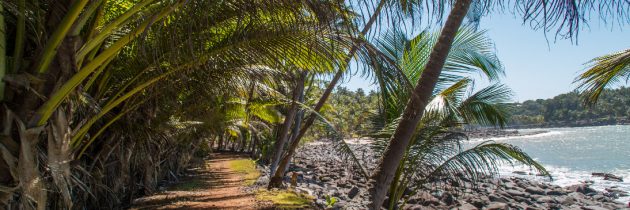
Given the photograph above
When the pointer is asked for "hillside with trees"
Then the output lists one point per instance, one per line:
(569, 109)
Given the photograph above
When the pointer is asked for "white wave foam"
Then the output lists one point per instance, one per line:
(532, 136)
(563, 176)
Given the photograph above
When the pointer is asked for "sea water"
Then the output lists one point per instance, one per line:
(573, 154)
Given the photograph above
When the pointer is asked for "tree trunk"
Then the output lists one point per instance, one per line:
(298, 121)
(276, 180)
(3, 56)
(59, 154)
(220, 143)
(286, 126)
(415, 106)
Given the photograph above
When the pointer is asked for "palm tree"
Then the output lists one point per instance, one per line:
(436, 153)
(89, 70)
(417, 102)
(436, 150)
(543, 14)
(604, 71)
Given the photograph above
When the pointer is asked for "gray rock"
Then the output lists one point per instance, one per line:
(593, 208)
(353, 192)
(535, 190)
(448, 199)
(497, 206)
(556, 192)
(495, 198)
(545, 199)
(568, 201)
(465, 206)
(515, 192)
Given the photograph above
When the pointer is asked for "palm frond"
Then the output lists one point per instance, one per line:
(481, 160)
(604, 71)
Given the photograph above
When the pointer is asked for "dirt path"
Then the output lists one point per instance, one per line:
(214, 186)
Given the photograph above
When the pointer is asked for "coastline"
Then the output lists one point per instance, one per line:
(339, 179)
(500, 133)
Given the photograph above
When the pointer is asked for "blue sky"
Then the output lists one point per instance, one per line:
(539, 67)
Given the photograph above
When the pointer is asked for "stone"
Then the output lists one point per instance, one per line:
(556, 192)
(515, 192)
(545, 199)
(495, 198)
(339, 205)
(497, 206)
(465, 206)
(568, 201)
(509, 185)
(325, 179)
(478, 203)
(609, 177)
(584, 189)
(593, 208)
(353, 192)
(535, 190)
(448, 199)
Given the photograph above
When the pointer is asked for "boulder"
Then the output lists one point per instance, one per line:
(545, 199)
(448, 199)
(556, 192)
(535, 190)
(353, 192)
(593, 208)
(495, 198)
(497, 206)
(465, 206)
(610, 177)
(582, 188)
(515, 192)
(568, 200)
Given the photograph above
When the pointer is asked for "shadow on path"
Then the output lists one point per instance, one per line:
(213, 186)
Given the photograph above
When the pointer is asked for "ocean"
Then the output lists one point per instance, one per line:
(572, 154)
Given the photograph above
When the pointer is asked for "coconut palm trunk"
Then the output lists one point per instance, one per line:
(276, 180)
(3, 58)
(415, 106)
(288, 122)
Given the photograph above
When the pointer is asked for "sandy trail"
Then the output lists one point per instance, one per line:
(214, 186)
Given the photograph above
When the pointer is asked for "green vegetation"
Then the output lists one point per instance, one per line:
(103, 99)
(330, 201)
(604, 71)
(348, 112)
(612, 107)
(247, 168)
(435, 151)
(285, 199)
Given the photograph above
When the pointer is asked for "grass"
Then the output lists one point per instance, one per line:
(246, 167)
(284, 199)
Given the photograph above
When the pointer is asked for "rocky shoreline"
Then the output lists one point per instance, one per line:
(322, 173)
(497, 133)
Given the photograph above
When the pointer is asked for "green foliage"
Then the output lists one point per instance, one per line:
(436, 153)
(247, 168)
(612, 107)
(349, 113)
(604, 71)
(285, 199)
(330, 201)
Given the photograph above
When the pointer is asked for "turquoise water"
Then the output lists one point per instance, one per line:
(572, 154)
